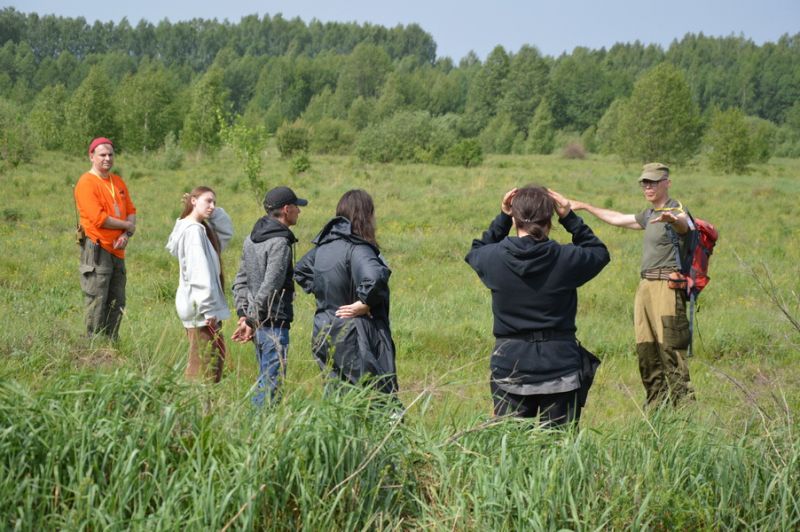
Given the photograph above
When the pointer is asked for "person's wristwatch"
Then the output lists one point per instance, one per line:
(128, 234)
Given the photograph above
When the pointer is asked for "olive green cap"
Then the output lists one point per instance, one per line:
(654, 172)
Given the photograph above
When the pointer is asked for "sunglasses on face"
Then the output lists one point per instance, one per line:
(646, 183)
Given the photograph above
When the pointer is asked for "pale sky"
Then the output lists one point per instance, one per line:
(459, 26)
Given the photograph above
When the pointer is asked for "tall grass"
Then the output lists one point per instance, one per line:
(121, 451)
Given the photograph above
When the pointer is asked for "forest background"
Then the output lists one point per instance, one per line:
(383, 94)
(100, 436)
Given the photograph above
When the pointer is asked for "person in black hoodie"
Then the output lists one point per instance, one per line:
(346, 272)
(263, 289)
(538, 368)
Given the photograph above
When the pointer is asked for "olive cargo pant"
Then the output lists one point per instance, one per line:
(662, 337)
(103, 283)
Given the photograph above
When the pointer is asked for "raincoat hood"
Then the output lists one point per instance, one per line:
(339, 228)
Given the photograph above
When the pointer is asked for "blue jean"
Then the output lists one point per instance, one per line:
(272, 346)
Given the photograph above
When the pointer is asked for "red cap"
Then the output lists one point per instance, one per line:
(98, 141)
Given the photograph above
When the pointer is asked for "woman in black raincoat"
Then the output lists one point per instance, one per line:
(350, 280)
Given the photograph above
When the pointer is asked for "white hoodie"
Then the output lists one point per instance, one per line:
(199, 294)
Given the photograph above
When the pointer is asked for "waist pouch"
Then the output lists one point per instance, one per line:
(534, 361)
(80, 235)
(677, 281)
(589, 365)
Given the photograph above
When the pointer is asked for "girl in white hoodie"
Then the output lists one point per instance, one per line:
(197, 240)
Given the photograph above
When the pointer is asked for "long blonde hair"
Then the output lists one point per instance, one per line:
(210, 233)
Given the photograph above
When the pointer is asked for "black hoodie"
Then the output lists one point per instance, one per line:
(534, 283)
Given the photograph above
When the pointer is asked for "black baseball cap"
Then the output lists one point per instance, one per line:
(280, 196)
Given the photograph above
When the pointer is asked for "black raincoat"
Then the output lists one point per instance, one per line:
(341, 269)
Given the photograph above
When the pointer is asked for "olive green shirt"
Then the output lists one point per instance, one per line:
(658, 251)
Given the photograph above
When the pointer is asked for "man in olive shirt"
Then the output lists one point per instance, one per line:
(662, 330)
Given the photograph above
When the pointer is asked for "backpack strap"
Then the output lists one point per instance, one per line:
(684, 264)
(677, 248)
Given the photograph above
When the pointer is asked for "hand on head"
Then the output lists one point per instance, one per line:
(563, 205)
(505, 205)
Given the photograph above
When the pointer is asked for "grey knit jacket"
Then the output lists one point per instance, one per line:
(263, 289)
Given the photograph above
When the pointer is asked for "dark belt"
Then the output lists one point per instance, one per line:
(541, 335)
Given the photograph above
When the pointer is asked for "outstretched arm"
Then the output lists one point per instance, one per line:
(628, 221)
(679, 222)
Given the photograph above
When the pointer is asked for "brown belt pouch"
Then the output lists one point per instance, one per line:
(677, 281)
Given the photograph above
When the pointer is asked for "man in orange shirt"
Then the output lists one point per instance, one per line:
(108, 219)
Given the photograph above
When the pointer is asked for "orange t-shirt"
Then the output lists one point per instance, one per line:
(99, 198)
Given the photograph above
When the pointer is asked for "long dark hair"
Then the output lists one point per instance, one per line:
(210, 233)
(356, 205)
(532, 209)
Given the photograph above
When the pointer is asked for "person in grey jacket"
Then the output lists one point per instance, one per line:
(346, 272)
(263, 289)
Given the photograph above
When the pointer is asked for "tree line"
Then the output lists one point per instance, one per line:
(384, 95)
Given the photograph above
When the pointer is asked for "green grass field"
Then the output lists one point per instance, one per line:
(113, 438)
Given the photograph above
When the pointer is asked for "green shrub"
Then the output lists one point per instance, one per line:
(466, 153)
(46, 118)
(589, 139)
(787, 142)
(332, 135)
(361, 112)
(409, 136)
(397, 139)
(300, 163)
(321, 106)
(727, 142)
(248, 143)
(172, 153)
(16, 141)
(498, 135)
(606, 132)
(660, 121)
(541, 130)
(762, 138)
(444, 134)
(292, 138)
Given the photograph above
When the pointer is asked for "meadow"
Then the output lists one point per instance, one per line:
(97, 436)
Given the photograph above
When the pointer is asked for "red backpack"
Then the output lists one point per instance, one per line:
(702, 240)
(693, 265)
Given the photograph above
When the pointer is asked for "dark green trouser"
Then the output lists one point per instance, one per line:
(103, 284)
